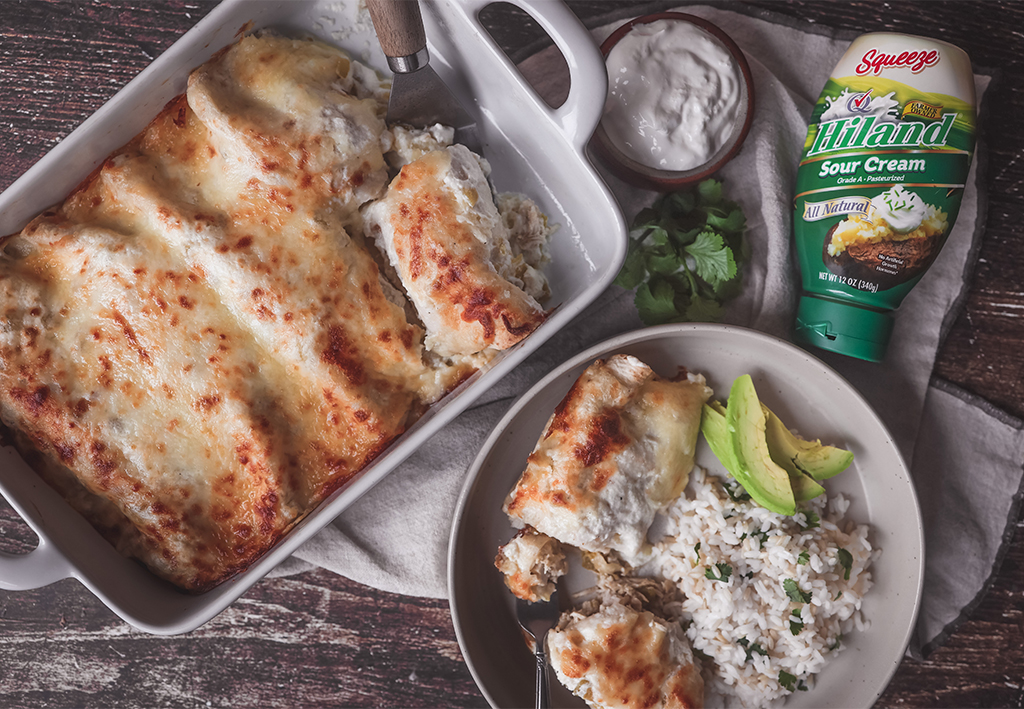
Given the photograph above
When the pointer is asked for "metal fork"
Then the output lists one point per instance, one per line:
(537, 619)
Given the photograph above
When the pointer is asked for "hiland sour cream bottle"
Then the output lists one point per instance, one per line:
(879, 185)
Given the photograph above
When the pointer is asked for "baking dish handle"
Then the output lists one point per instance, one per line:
(40, 567)
(579, 115)
(26, 494)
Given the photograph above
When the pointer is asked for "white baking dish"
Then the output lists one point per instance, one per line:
(532, 148)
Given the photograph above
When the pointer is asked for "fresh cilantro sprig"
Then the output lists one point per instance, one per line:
(751, 648)
(795, 626)
(791, 682)
(724, 571)
(685, 255)
(793, 591)
(846, 561)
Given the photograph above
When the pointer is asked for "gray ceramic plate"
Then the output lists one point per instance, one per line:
(810, 397)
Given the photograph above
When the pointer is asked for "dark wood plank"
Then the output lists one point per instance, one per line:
(312, 640)
(317, 639)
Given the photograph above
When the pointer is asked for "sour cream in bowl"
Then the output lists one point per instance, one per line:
(680, 100)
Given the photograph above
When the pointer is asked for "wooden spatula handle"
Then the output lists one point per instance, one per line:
(399, 26)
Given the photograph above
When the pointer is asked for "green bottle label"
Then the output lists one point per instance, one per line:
(880, 183)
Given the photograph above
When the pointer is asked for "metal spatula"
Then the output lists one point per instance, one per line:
(418, 96)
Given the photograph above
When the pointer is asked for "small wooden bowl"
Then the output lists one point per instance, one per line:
(652, 178)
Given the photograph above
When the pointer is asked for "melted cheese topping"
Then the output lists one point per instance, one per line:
(448, 243)
(622, 658)
(531, 564)
(618, 448)
(197, 341)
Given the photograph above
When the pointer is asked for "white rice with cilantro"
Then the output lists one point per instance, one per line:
(768, 597)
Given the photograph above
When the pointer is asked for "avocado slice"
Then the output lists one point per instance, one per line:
(766, 482)
(804, 487)
(818, 461)
(716, 433)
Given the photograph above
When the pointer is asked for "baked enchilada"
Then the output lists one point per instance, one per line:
(618, 449)
(199, 345)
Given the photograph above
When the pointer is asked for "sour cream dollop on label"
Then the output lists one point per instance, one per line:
(902, 210)
(674, 95)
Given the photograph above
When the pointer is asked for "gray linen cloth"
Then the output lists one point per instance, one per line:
(965, 456)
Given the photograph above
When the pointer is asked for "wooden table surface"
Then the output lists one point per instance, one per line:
(317, 639)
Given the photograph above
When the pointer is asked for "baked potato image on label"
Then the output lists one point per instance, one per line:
(896, 238)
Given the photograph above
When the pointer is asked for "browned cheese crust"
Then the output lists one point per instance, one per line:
(437, 224)
(629, 659)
